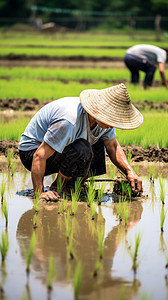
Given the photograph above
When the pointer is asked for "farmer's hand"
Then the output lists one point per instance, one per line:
(135, 181)
(49, 195)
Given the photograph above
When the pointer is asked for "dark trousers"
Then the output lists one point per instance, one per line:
(77, 159)
(135, 65)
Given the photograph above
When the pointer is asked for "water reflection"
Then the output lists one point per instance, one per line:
(51, 238)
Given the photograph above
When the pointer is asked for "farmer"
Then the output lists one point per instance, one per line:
(145, 58)
(67, 136)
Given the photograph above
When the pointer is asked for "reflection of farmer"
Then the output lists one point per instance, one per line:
(145, 58)
(68, 136)
(51, 238)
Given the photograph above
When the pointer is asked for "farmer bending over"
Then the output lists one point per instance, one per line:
(67, 136)
(145, 58)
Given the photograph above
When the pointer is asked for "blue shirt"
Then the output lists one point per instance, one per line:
(60, 123)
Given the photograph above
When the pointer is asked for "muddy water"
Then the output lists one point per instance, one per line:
(115, 276)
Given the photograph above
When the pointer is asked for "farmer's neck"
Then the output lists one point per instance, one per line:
(92, 121)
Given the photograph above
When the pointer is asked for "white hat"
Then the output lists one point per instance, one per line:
(112, 106)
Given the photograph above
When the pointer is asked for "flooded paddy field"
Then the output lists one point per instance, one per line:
(98, 253)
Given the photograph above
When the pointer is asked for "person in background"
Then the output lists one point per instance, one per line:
(145, 58)
(68, 136)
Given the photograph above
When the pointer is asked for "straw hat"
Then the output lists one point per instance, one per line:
(112, 106)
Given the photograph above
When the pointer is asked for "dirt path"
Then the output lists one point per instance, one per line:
(54, 63)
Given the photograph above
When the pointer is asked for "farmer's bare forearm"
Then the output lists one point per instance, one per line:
(163, 77)
(39, 164)
(162, 74)
(37, 173)
(117, 156)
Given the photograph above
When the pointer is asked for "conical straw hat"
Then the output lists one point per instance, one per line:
(112, 106)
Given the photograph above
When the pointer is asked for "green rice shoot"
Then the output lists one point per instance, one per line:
(77, 279)
(51, 272)
(29, 252)
(4, 245)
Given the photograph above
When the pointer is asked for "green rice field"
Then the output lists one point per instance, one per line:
(46, 90)
(152, 132)
(106, 74)
(92, 39)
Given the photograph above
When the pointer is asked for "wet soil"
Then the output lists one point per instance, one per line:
(151, 154)
(25, 104)
(60, 63)
(83, 58)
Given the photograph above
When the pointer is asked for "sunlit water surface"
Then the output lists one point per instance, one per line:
(115, 279)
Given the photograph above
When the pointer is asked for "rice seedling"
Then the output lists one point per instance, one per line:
(136, 169)
(93, 209)
(90, 195)
(126, 213)
(133, 251)
(100, 232)
(60, 183)
(70, 245)
(4, 245)
(162, 244)
(97, 268)
(152, 173)
(120, 208)
(162, 190)
(51, 273)
(29, 252)
(36, 202)
(75, 203)
(152, 191)
(67, 224)
(122, 293)
(163, 213)
(100, 193)
(3, 186)
(144, 296)
(77, 279)
(61, 207)
(78, 183)
(35, 220)
(126, 189)
(9, 155)
(5, 211)
(13, 167)
(65, 201)
(129, 156)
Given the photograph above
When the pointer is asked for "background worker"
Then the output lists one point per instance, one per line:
(145, 58)
(68, 136)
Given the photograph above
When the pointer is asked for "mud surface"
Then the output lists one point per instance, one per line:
(63, 64)
(25, 104)
(151, 154)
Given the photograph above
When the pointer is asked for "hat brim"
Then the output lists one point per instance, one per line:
(105, 107)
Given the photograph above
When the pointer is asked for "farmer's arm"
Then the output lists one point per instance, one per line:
(38, 170)
(162, 74)
(118, 157)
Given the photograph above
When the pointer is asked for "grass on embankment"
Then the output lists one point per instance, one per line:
(91, 39)
(152, 132)
(71, 74)
(62, 51)
(45, 90)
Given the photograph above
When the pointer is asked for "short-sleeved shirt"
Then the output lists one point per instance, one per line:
(59, 123)
(148, 52)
